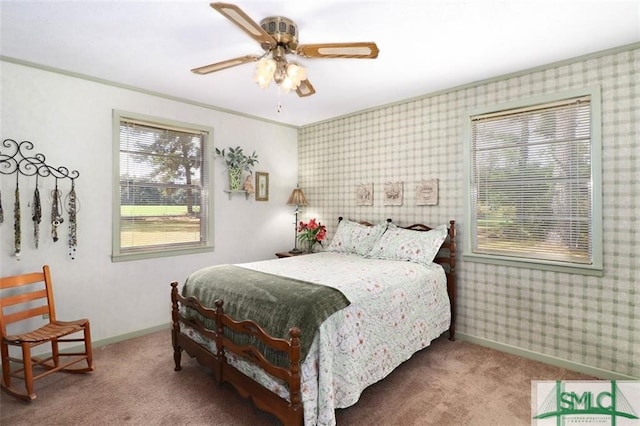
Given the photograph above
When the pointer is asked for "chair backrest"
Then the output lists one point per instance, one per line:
(32, 296)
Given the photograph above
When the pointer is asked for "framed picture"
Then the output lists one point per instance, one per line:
(427, 192)
(393, 194)
(364, 194)
(262, 186)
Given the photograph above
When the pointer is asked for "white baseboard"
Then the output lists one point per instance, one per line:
(110, 340)
(133, 334)
(547, 359)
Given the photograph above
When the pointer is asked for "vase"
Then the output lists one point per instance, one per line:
(309, 246)
(235, 179)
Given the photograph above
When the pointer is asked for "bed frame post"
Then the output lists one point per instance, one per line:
(175, 329)
(451, 278)
(295, 397)
(220, 353)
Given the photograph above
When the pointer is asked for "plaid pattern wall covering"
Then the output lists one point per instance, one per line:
(594, 321)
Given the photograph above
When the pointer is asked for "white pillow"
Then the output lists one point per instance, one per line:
(405, 244)
(356, 238)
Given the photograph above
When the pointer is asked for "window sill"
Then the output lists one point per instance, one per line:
(125, 257)
(535, 264)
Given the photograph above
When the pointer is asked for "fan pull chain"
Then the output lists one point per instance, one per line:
(73, 226)
(279, 106)
(56, 214)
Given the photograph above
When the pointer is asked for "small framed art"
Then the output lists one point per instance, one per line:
(393, 194)
(262, 186)
(364, 194)
(427, 192)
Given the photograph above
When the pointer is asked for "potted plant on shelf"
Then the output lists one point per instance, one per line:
(236, 161)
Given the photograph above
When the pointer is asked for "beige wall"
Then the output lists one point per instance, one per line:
(587, 321)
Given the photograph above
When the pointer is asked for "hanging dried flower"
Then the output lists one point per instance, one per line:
(56, 214)
(16, 225)
(36, 210)
(72, 209)
(1, 211)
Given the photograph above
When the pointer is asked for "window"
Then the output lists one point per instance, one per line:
(161, 194)
(534, 184)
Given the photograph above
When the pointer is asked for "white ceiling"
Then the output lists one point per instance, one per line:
(425, 46)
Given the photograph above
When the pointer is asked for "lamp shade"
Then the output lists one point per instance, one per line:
(297, 198)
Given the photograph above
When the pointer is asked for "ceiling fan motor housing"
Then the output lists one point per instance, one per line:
(283, 30)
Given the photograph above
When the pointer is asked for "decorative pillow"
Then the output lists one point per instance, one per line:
(404, 244)
(353, 237)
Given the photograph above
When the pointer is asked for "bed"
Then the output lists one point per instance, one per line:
(304, 335)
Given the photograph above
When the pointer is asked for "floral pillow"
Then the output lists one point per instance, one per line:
(353, 237)
(404, 244)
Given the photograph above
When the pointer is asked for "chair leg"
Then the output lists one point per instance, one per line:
(55, 353)
(87, 355)
(6, 365)
(28, 370)
(88, 347)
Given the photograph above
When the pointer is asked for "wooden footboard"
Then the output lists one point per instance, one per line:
(289, 412)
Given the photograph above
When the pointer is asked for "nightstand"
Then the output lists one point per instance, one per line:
(287, 254)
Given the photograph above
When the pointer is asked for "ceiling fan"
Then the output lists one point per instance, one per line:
(278, 36)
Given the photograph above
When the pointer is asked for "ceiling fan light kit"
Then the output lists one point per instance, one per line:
(288, 75)
(278, 36)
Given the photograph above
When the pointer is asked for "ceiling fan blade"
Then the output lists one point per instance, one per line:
(225, 64)
(362, 50)
(305, 89)
(246, 24)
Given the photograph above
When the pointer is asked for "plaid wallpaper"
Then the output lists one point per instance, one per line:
(593, 321)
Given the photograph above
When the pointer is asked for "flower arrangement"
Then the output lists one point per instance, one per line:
(311, 233)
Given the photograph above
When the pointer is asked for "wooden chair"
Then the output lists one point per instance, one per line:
(23, 298)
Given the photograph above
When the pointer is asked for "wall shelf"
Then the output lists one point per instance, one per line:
(239, 191)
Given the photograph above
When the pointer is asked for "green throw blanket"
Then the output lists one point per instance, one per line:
(276, 303)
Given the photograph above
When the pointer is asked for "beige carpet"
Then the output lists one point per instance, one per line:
(449, 383)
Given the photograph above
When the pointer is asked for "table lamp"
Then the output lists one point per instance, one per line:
(297, 199)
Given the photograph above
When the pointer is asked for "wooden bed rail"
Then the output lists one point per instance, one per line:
(289, 412)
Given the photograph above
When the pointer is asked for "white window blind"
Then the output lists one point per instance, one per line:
(532, 183)
(163, 187)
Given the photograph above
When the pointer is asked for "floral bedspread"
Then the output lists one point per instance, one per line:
(397, 308)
